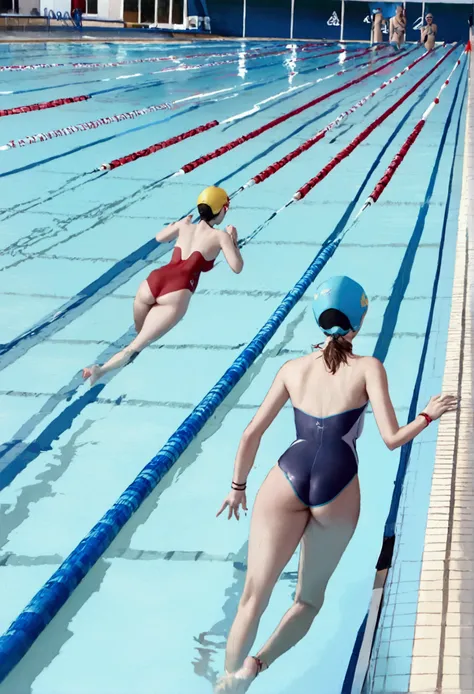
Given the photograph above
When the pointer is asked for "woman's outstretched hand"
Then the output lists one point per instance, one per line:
(233, 501)
(440, 404)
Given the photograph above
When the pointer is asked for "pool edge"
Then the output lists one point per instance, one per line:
(443, 645)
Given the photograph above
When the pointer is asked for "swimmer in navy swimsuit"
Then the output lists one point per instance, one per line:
(163, 298)
(312, 495)
(323, 460)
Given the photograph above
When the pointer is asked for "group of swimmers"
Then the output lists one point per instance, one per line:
(311, 497)
(398, 26)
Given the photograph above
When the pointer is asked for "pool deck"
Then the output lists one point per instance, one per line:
(443, 652)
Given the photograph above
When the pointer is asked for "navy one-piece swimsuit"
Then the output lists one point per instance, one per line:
(323, 459)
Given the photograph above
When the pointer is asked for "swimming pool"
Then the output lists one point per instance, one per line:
(155, 610)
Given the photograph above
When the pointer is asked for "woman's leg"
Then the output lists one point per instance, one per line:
(143, 302)
(278, 522)
(324, 542)
(159, 319)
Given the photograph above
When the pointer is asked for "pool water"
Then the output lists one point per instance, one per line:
(154, 612)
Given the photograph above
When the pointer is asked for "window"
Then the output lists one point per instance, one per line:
(130, 11)
(177, 12)
(91, 6)
(147, 12)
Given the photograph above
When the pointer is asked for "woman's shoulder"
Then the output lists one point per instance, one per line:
(292, 366)
(369, 363)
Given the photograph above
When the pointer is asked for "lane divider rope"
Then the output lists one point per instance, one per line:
(244, 138)
(84, 66)
(276, 166)
(41, 106)
(344, 153)
(107, 120)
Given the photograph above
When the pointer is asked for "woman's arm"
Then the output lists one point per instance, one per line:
(393, 435)
(276, 397)
(250, 441)
(228, 241)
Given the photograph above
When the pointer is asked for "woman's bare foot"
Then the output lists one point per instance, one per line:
(92, 372)
(238, 682)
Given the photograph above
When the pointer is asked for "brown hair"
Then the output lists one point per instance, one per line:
(338, 350)
(205, 212)
(336, 353)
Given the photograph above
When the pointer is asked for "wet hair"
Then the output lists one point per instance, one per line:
(338, 350)
(206, 213)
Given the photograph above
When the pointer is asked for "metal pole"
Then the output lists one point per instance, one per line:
(292, 19)
(341, 38)
(244, 18)
(170, 14)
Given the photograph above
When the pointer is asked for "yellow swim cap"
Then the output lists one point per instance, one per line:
(215, 198)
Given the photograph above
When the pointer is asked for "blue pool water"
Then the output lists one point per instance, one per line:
(154, 612)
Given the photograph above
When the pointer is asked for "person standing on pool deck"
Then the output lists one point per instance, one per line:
(398, 25)
(428, 33)
(377, 19)
(163, 298)
(312, 496)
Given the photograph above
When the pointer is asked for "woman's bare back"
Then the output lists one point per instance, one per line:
(313, 389)
(198, 237)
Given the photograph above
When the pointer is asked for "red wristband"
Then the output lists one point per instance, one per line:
(427, 418)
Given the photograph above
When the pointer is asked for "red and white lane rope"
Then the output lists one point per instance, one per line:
(181, 68)
(43, 105)
(84, 66)
(399, 157)
(190, 166)
(107, 120)
(346, 151)
(244, 138)
(276, 166)
(120, 63)
(304, 190)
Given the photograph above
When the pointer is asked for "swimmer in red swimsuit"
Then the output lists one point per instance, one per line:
(163, 298)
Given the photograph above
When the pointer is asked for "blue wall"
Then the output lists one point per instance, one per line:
(357, 24)
(321, 19)
(311, 19)
(268, 18)
(227, 17)
(413, 20)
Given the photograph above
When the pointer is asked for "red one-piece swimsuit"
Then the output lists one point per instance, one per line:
(178, 273)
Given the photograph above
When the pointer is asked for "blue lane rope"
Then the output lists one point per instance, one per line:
(26, 628)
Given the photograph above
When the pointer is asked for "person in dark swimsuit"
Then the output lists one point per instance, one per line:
(312, 496)
(323, 461)
(163, 298)
(398, 25)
